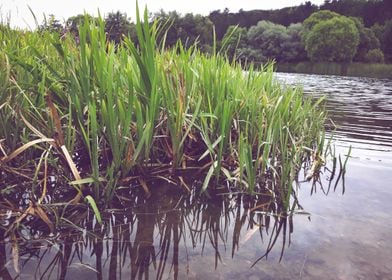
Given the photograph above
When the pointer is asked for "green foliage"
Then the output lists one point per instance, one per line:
(269, 38)
(373, 11)
(374, 56)
(236, 41)
(250, 54)
(266, 41)
(196, 28)
(73, 23)
(378, 31)
(386, 41)
(368, 41)
(270, 41)
(51, 25)
(318, 17)
(335, 39)
(293, 49)
(384, 35)
(222, 19)
(189, 29)
(117, 25)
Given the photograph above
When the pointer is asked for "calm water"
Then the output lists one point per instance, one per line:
(345, 236)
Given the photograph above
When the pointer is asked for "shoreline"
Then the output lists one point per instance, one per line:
(355, 69)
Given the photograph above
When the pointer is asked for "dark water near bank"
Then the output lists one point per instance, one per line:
(345, 236)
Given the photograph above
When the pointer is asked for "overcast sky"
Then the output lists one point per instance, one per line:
(20, 15)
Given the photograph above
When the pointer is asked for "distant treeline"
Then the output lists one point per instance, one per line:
(336, 31)
(371, 12)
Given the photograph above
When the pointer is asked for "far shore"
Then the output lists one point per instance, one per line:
(371, 70)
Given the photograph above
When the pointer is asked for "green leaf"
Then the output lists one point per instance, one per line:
(86, 181)
(208, 176)
(90, 200)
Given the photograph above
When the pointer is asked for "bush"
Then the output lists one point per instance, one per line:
(374, 56)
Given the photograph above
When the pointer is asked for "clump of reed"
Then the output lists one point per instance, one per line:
(100, 115)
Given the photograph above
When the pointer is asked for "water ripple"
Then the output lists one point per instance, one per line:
(361, 108)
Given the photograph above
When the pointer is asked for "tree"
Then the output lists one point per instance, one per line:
(171, 26)
(117, 25)
(221, 21)
(386, 41)
(371, 11)
(72, 24)
(346, 7)
(196, 28)
(247, 19)
(267, 41)
(367, 40)
(378, 30)
(256, 55)
(333, 40)
(51, 25)
(269, 38)
(189, 29)
(315, 19)
(235, 40)
(318, 17)
(374, 56)
(293, 49)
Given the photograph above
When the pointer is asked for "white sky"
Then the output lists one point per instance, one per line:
(19, 14)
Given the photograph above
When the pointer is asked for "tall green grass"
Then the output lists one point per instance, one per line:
(125, 110)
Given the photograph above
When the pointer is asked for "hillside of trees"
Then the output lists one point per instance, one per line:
(336, 31)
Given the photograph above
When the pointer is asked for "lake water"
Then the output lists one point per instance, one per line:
(349, 235)
(336, 236)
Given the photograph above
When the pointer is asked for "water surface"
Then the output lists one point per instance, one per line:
(348, 237)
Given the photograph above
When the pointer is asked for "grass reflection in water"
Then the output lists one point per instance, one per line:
(156, 237)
